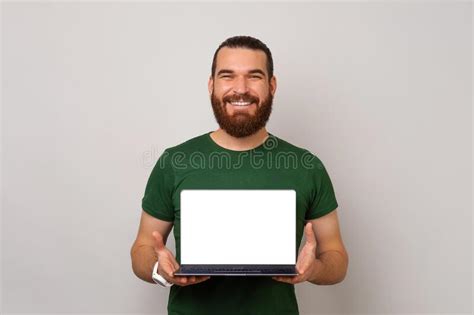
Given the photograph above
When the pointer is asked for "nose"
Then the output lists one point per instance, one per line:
(240, 85)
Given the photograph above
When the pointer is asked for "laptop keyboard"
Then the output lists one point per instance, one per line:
(237, 269)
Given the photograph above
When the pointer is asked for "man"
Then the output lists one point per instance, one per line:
(240, 154)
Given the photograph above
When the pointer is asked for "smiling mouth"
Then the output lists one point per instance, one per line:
(240, 104)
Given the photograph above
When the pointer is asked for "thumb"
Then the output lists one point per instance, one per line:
(159, 244)
(309, 234)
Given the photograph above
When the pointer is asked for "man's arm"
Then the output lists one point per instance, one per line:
(332, 259)
(142, 252)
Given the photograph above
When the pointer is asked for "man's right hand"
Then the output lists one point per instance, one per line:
(168, 265)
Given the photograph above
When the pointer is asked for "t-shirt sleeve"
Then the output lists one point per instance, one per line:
(157, 200)
(322, 199)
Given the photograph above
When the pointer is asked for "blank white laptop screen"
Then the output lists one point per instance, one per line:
(235, 226)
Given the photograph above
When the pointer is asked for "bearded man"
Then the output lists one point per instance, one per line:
(241, 89)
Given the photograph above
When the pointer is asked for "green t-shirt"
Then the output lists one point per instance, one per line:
(200, 163)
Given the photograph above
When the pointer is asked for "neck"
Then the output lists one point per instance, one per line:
(227, 141)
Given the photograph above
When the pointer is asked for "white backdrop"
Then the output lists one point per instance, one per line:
(92, 93)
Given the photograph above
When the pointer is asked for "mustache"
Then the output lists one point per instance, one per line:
(241, 98)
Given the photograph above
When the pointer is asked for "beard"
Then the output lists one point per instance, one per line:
(242, 124)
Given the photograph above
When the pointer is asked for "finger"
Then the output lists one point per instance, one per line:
(174, 267)
(300, 270)
(179, 280)
(302, 267)
(188, 280)
(184, 281)
(167, 273)
(202, 278)
(292, 280)
(309, 233)
(297, 279)
(175, 264)
(283, 279)
(159, 244)
(175, 282)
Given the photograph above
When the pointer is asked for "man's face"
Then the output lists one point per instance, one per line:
(241, 94)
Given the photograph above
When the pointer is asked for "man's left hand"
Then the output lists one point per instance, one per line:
(306, 259)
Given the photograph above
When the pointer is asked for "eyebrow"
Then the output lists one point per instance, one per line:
(223, 71)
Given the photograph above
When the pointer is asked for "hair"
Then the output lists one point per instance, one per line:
(249, 43)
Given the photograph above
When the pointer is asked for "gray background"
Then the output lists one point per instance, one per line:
(93, 93)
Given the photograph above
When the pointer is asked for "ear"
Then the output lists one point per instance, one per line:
(273, 85)
(210, 84)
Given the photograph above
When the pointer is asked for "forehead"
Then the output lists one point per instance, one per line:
(240, 59)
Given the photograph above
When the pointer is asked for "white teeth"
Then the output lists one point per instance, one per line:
(241, 103)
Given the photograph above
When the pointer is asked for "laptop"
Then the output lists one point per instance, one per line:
(238, 232)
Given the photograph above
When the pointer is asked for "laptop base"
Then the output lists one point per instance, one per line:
(236, 270)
